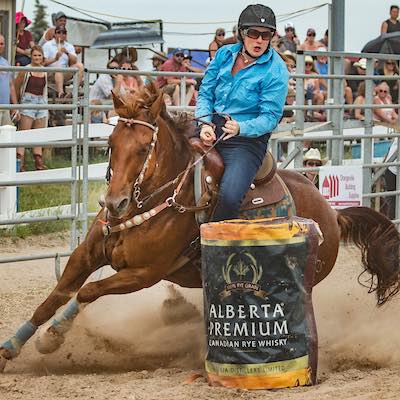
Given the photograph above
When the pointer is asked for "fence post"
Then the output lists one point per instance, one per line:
(182, 89)
(8, 167)
(74, 159)
(337, 114)
(85, 153)
(299, 121)
(367, 147)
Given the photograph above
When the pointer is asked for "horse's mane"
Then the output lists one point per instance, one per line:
(135, 102)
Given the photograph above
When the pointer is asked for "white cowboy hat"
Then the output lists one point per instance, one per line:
(308, 59)
(312, 154)
(361, 63)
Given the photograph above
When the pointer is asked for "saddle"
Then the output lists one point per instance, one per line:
(267, 189)
(268, 195)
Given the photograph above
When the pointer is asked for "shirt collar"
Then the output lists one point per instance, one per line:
(234, 49)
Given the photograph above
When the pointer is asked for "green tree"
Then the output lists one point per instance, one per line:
(39, 22)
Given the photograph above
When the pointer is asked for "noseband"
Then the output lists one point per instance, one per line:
(139, 179)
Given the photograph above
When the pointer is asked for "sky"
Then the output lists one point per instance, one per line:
(362, 21)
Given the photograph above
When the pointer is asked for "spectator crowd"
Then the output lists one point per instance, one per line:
(54, 50)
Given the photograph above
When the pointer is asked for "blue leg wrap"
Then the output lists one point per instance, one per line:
(67, 315)
(14, 345)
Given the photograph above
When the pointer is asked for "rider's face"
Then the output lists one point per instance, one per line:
(256, 46)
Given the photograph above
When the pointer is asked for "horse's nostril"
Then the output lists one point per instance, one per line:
(124, 203)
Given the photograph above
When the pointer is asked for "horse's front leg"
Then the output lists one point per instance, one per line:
(127, 280)
(76, 272)
(124, 281)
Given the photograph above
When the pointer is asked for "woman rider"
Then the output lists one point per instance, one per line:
(247, 81)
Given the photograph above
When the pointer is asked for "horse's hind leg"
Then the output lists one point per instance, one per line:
(76, 272)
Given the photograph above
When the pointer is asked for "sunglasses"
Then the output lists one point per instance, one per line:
(179, 55)
(126, 69)
(382, 91)
(62, 32)
(310, 34)
(289, 30)
(309, 63)
(255, 34)
(313, 163)
(221, 34)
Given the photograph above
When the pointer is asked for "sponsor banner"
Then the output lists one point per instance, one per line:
(341, 186)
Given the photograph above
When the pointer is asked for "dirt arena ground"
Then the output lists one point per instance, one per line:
(122, 348)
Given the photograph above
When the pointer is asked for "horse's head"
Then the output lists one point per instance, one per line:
(132, 147)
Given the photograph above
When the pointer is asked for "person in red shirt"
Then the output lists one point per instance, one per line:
(170, 84)
(24, 40)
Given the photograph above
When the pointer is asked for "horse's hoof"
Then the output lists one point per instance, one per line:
(3, 362)
(49, 341)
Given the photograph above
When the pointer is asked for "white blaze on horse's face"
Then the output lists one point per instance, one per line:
(129, 146)
(256, 47)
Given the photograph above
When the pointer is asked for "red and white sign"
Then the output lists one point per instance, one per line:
(341, 186)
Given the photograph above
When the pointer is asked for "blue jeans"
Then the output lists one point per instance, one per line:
(242, 159)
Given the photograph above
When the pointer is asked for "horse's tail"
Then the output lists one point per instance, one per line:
(378, 239)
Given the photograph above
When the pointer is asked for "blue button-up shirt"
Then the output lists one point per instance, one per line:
(254, 97)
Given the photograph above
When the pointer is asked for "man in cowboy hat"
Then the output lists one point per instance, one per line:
(312, 159)
(157, 60)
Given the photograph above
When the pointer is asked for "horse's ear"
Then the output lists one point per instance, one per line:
(151, 86)
(118, 102)
(157, 105)
(120, 106)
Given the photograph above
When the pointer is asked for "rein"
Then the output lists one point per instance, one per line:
(138, 219)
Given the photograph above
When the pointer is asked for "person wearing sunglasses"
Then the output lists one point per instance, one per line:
(310, 44)
(387, 114)
(217, 42)
(171, 84)
(232, 39)
(390, 68)
(312, 159)
(61, 54)
(290, 41)
(130, 83)
(242, 96)
(106, 83)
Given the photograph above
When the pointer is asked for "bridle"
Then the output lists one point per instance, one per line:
(170, 201)
(139, 180)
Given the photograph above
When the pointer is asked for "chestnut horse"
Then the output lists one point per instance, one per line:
(149, 175)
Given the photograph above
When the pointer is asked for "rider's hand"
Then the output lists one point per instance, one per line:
(207, 135)
(231, 128)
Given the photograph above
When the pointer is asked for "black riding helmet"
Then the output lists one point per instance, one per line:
(256, 15)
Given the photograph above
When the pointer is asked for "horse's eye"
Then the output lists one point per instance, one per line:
(143, 151)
